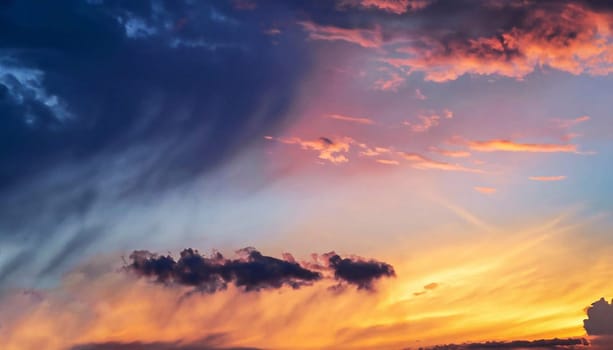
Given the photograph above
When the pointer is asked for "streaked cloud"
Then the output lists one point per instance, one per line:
(547, 178)
(421, 162)
(428, 121)
(485, 190)
(500, 145)
(346, 118)
(388, 161)
(369, 38)
(450, 153)
(332, 150)
(390, 84)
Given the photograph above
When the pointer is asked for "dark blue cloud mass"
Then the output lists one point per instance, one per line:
(84, 78)
(119, 99)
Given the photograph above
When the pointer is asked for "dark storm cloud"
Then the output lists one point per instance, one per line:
(359, 272)
(600, 318)
(517, 345)
(252, 271)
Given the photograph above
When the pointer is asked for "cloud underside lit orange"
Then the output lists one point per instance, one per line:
(474, 289)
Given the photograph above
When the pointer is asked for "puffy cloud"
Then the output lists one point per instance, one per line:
(253, 271)
(332, 150)
(599, 318)
(358, 271)
(547, 178)
(358, 120)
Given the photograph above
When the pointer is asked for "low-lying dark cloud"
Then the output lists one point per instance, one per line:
(516, 344)
(359, 272)
(253, 271)
(600, 318)
(211, 342)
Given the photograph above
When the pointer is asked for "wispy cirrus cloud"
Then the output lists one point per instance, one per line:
(485, 190)
(346, 118)
(390, 84)
(547, 178)
(421, 162)
(501, 145)
(450, 153)
(369, 38)
(428, 121)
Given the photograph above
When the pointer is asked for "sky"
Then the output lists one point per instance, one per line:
(293, 174)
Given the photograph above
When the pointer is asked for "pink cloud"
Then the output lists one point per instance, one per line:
(420, 162)
(547, 178)
(390, 84)
(358, 120)
(369, 38)
(485, 190)
(510, 146)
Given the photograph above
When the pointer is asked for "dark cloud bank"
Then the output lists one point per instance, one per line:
(252, 271)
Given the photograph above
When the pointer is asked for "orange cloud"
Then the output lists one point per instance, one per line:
(485, 190)
(428, 121)
(369, 38)
(449, 153)
(332, 150)
(391, 84)
(547, 178)
(357, 120)
(420, 162)
(567, 37)
(388, 161)
(510, 146)
(373, 151)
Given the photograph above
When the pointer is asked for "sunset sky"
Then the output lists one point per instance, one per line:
(305, 174)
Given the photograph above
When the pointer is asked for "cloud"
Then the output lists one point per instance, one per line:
(556, 343)
(450, 153)
(358, 120)
(547, 178)
(420, 162)
(393, 6)
(511, 146)
(358, 271)
(388, 161)
(253, 271)
(566, 36)
(369, 38)
(332, 150)
(599, 318)
(485, 190)
(390, 84)
(371, 151)
(210, 344)
(429, 121)
(419, 95)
